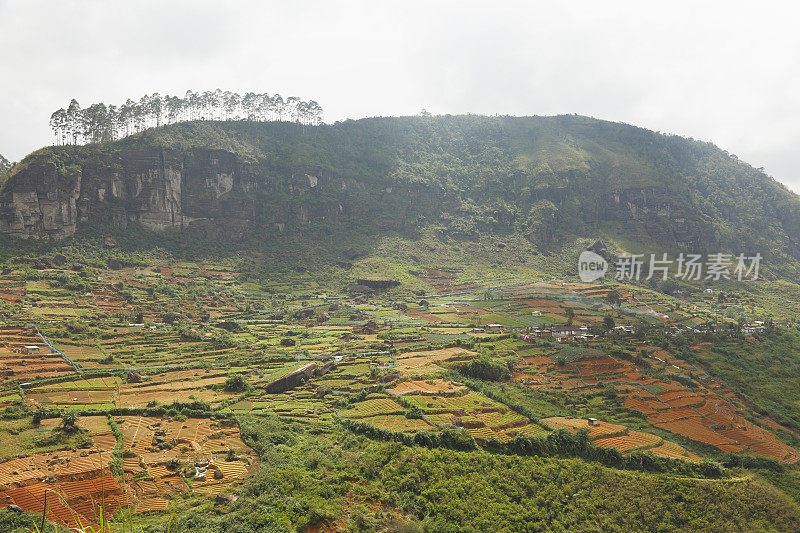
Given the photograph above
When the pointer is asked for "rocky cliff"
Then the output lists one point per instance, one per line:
(208, 192)
(549, 178)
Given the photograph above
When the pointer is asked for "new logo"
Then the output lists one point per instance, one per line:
(591, 266)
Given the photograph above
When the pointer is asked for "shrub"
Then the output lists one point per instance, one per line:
(235, 383)
(485, 368)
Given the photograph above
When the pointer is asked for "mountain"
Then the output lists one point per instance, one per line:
(551, 179)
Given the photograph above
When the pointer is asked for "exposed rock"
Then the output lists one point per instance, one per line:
(293, 379)
(225, 499)
(378, 284)
(207, 192)
(297, 377)
(357, 288)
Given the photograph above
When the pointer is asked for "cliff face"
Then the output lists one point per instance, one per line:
(37, 202)
(549, 178)
(207, 192)
(213, 193)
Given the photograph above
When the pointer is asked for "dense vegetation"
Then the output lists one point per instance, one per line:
(103, 123)
(547, 178)
(475, 198)
(765, 370)
(317, 477)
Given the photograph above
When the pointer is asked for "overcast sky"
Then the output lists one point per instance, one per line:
(725, 72)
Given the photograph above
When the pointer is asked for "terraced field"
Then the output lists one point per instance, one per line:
(703, 415)
(215, 345)
(621, 438)
(76, 482)
(17, 363)
(160, 455)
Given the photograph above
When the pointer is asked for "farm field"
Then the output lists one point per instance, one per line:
(160, 455)
(164, 364)
(621, 438)
(704, 414)
(78, 481)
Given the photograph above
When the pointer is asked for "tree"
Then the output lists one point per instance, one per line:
(570, 313)
(58, 122)
(5, 164)
(74, 120)
(608, 323)
(100, 123)
(235, 383)
(613, 297)
(69, 422)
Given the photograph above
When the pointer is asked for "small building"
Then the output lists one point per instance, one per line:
(593, 422)
(30, 349)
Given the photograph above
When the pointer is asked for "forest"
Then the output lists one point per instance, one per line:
(104, 123)
(548, 179)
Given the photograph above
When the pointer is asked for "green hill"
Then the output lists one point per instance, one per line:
(548, 179)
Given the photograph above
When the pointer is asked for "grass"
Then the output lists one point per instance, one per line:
(313, 471)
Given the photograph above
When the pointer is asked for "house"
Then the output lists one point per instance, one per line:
(593, 422)
(30, 349)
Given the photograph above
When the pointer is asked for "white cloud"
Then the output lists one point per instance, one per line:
(719, 71)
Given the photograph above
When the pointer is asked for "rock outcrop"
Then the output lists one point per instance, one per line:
(549, 179)
(297, 377)
(211, 193)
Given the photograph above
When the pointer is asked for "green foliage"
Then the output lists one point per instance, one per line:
(484, 367)
(235, 383)
(14, 522)
(69, 421)
(312, 476)
(549, 179)
(116, 454)
(766, 371)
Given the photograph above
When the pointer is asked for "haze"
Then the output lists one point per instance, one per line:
(722, 72)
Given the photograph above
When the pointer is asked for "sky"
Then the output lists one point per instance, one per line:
(725, 72)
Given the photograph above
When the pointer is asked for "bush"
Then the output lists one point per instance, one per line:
(485, 368)
(69, 422)
(235, 383)
(414, 413)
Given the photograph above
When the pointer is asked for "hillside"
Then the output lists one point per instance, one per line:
(547, 179)
(375, 326)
